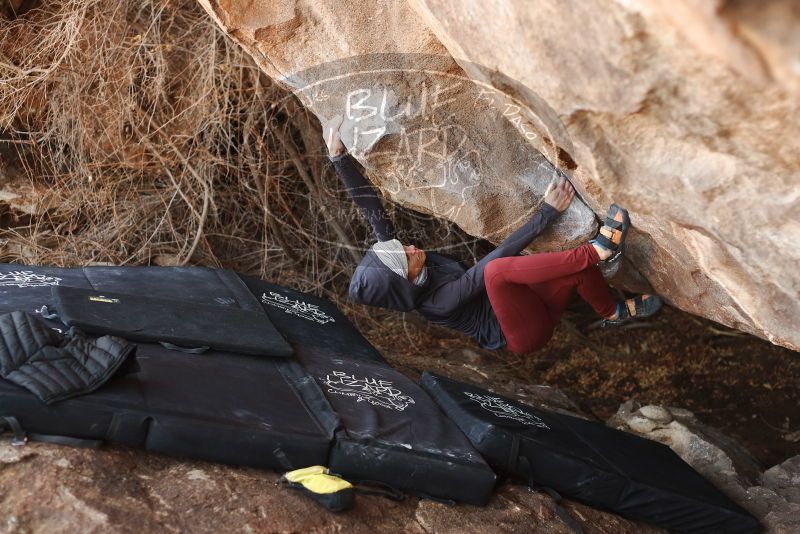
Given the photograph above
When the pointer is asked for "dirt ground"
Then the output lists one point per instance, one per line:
(738, 383)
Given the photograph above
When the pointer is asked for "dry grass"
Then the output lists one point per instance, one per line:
(148, 137)
(151, 131)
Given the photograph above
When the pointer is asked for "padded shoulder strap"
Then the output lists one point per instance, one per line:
(513, 456)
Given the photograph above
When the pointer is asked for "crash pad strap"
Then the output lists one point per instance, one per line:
(606, 242)
(187, 350)
(379, 489)
(515, 460)
(21, 437)
(560, 511)
(47, 314)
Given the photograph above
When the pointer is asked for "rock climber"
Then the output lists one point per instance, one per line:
(505, 300)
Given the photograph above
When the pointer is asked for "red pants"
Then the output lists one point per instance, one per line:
(530, 293)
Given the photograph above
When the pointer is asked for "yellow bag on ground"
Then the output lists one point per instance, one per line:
(316, 482)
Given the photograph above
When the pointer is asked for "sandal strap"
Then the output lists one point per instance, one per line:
(634, 302)
(642, 308)
(641, 305)
(605, 242)
(613, 224)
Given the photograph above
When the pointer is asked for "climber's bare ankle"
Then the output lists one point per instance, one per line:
(602, 252)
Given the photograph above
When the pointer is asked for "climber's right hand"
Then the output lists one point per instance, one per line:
(333, 138)
(559, 195)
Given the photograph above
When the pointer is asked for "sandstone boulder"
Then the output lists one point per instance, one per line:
(675, 113)
(685, 112)
(426, 133)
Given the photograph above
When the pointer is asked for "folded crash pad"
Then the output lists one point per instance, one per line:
(386, 428)
(216, 406)
(180, 322)
(588, 462)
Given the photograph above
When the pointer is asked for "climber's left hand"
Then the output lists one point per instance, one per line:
(559, 195)
(333, 137)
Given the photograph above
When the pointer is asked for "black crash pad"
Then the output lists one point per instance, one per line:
(386, 428)
(180, 322)
(27, 288)
(216, 406)
(392, 431)
(588, 462)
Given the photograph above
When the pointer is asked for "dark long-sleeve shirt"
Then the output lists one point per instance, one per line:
(453, 296)
(365, 197)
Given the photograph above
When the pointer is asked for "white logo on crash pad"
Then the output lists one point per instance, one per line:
(376, 392)
(310, 312)
(500, 408)
(27, 279)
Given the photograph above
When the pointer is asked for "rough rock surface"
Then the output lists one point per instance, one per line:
(415, 119)
(686, 112)
(772, 496)
(675, 113)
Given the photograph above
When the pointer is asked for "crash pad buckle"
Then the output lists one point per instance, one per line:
(11, 423)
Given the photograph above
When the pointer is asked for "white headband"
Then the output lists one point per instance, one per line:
(393, 255)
